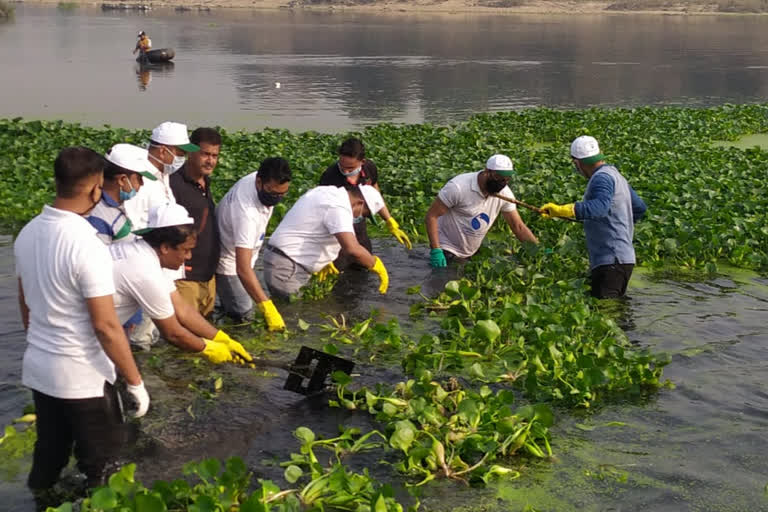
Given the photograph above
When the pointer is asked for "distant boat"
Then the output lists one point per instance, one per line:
(159, 55)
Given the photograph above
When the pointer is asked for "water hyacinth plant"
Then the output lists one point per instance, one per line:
(511, 340)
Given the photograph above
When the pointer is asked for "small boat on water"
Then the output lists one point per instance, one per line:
(159, 55)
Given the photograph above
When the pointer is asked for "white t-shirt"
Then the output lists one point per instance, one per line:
(140, 282)
(152, 193)
(242, 223)
(306, 233)
(61, 263)
(470, 214)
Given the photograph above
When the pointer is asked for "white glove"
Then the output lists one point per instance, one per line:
(141, 399)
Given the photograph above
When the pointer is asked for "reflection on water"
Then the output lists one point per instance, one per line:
(145, 71)
(344, 70)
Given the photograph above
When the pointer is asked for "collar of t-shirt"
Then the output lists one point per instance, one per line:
(109, 201)
(50, 211)
(206, 179)
(475, 184)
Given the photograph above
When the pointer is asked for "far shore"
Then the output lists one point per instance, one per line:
(501, 7)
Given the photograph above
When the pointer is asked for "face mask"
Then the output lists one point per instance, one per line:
(172, 167)
(86, 212)
(358, 220)
(178, 162)
(350, 174)
(124, 196)
(494, 185)
(268, 199)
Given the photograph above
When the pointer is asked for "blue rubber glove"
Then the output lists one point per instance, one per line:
(437, 258)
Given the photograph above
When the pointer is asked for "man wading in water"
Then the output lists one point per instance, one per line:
(351, 170)
(609, 210)
(74, 339)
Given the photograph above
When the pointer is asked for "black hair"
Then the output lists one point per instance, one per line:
(352, 147)
(112, 170)
(205, 136)
(170, 235)
(274, 169)
(73, 166)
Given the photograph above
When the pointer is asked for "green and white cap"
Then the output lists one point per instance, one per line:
(131, 158)
(173, 134)
(585, 149)
(501, 164)
(166, 215)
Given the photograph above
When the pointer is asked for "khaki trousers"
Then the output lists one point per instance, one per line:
(200, 294)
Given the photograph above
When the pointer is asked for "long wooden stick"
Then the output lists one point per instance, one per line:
(529, 206)
(515, 201)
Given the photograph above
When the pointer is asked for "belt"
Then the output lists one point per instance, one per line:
(279, 252)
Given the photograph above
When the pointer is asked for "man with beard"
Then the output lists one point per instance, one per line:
(466, 208)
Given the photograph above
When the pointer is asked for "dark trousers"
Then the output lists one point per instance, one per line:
(344, 260)
(610, 281)
(93, 426)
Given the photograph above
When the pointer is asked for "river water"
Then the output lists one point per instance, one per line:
(697, 447)
(340, 71)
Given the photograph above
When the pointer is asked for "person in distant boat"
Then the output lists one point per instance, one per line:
(466, 208)
(143, 45)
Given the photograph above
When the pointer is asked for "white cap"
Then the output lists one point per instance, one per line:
(166, 215)
(501, 164)
(373, 198)
(586, 148)
(132, 158)
(173, 134)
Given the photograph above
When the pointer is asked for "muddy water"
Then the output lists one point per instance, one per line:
(333, 72)
(697, 447)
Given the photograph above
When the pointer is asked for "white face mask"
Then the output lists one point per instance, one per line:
(178, 162)
(174, 166)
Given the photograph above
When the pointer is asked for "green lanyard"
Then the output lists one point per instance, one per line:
(125, 230)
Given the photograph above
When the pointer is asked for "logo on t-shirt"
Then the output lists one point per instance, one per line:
(476, 221)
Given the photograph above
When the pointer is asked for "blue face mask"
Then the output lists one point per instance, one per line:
(124, 196)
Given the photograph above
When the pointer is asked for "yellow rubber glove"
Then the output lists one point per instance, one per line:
(328, 270)
(378, 267)
(398, 233)
(232, 345)
(556, 210)
(216, 352)
(273, 318)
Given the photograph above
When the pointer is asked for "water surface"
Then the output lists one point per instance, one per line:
(339, 71)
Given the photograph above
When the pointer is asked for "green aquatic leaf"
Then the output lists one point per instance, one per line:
(104, 499)
(292, 473)
(305, 435)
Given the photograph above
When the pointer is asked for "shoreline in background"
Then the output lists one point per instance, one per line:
(501, 7)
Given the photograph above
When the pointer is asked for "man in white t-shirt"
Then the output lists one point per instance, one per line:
(167, 152)
(315, 229)
(466, 208)
(242, 216)
(140, 283)
(75, 340)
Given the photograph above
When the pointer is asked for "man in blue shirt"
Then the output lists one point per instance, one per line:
(609, 211)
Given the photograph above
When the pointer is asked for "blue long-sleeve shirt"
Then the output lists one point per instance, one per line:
(609, 209)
